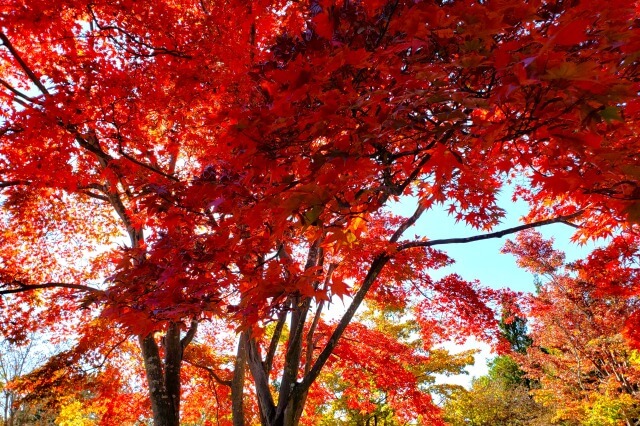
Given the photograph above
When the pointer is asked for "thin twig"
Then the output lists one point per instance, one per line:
(147, 166)
(211, 372)
(6, 184)
(18, 93)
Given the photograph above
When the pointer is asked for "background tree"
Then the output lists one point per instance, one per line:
(579, 359)
(503, 396)
(15, 361)
(499, 398)
(513, 328)
(383, 373)
(77, 384)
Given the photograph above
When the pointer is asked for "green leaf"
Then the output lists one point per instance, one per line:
(311, 215)
(610, 114)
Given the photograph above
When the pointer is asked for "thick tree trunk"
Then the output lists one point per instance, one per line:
(172, 363)
(289, 410)
(290, 416)
(293, 412)
(165, 411)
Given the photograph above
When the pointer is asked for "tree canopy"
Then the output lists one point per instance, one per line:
(192, 180)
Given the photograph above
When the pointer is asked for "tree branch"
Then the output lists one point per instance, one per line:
(376, 267)
(108, 354)
(96, 196)
(315, 321)
(209, 370)
(261, 381)
(147, 166)
(155, 51)
(29, 287)
(23, 64)
(8, 183)
(19, 101)
(184, 342)
(300, 310)
(379, 263)
(407, 223)
(497, 234)
(275, 339)
(386, 25)
(19, 94)
(90, 144)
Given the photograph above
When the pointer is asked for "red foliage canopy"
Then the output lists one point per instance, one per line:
(168, 166)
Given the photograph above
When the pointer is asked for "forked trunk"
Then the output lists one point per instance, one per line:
(296, 381)
(163, 376)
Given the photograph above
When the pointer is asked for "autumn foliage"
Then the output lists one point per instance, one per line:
(586, 371)
(172, 169)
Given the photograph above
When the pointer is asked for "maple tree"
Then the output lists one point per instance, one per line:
(382, 373)
(585, 371)
(161, 168)
(92, 381)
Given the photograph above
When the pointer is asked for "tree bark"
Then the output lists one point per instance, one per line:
(260, 379)
(162, 404)
(293, 412)
(237, 384)
(172, 363)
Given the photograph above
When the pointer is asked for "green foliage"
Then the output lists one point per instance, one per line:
(514, 330)
(506, 370)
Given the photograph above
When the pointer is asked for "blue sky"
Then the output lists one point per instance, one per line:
(483, 261)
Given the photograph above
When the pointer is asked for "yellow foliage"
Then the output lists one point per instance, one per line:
(612, 410)
(74, 414)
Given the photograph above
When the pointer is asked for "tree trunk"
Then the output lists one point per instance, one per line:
(172, 363)
(261, 381)
(293, 412)
(9, 411)
(237, 384)
(165, 411)
(287, 413)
